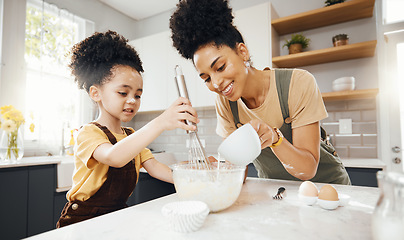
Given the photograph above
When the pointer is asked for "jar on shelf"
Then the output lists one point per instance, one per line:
(340, 40)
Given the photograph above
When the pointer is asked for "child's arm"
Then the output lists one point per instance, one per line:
(121, 153)
(158, 170)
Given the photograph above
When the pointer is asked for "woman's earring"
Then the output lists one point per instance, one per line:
(247, 63)
(215, 86)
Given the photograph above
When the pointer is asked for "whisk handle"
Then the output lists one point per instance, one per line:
(181, 86)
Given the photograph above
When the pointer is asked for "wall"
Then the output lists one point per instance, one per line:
(362, 143)
(175, 140)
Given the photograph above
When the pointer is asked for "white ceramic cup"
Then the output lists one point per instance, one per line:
(241, 147)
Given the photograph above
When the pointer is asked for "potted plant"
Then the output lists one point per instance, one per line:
(332, 2)
(297, 43)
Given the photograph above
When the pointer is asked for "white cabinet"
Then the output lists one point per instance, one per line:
(254, 23)
(154, 55)
(159, 59)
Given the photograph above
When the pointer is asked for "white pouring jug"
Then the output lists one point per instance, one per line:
(241, 147)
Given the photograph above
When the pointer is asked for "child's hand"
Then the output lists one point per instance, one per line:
(176, 115)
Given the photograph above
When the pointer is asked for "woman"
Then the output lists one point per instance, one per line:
(283, 106)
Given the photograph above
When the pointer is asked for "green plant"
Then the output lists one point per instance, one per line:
(297, 38)
(332, 2)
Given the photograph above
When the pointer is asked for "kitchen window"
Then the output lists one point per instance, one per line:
(53, 101)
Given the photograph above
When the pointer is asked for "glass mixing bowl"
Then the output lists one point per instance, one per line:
(218, 187)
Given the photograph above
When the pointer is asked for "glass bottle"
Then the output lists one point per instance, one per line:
(388, 215)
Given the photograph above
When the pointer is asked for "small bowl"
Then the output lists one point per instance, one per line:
(185, 216)
(326, 204)
(344, 80)
(242, 146)
(343, 199)
(308, 200)
(343, 87)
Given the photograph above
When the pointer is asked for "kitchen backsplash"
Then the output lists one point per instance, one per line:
(362, 143)
(175, 141)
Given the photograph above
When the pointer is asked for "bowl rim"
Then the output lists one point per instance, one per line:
(234, 167)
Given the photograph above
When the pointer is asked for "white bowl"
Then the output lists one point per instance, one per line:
(308, 200)
(344, 80)
(185, 216)
(219, 188)
(343, 199)
(343, 87)
(241, 147)
(326, 204)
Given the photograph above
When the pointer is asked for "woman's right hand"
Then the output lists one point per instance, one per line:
(177, 115)
(265, 132)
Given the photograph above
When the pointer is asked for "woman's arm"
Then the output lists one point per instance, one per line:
(158, 170)
(301, 158)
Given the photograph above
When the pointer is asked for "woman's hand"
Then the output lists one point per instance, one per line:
(177, 115)
(265, 132)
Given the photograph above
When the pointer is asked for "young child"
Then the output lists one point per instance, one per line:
(108, 156)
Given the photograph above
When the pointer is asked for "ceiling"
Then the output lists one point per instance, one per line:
(140, 9)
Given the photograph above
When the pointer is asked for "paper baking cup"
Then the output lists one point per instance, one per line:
(185, 216)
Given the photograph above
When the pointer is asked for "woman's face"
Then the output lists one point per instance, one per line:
(223, 69)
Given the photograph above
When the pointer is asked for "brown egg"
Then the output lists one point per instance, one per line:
(308, 189)
(328, 192)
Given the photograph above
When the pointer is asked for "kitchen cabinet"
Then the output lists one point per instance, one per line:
(363, 176)
(159, 59)
(149, 188)
(26, 205)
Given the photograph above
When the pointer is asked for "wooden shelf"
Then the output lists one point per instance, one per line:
(338, 13)
(333, 54)
(348, 95)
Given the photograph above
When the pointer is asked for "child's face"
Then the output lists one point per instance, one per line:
(119, 97)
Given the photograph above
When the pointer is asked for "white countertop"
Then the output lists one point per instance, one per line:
(255, 215)
(32, 161)
(363, 163)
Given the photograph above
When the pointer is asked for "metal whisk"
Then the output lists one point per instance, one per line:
(197, 155)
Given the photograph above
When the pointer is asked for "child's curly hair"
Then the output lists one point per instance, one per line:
(93, 58)
(196, 23)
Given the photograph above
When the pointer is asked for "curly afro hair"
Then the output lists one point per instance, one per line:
(93, 58)
(196, 23)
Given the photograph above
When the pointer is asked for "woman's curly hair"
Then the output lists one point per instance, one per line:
(93, 58)
(196, 23)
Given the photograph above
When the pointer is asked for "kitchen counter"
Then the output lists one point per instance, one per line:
(33, 161)
(363, 163)
(255, 215)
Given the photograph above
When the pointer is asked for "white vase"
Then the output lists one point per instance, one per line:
(11, 146)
